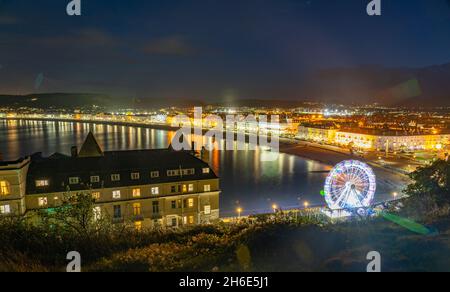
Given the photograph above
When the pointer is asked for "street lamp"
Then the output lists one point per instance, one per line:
(306, 204)
(274, 207)
(239, 211)
(395, 194)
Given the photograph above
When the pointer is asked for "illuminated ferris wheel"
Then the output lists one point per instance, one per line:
(350, 185)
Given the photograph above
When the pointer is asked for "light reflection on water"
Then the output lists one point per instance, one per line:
(246, 181)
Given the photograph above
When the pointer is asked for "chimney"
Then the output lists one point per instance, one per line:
(74, 151)
(205, 155)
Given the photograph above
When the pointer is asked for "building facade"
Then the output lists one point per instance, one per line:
(149, 188)
(374, 140)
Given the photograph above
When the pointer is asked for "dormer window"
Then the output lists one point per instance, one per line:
(135, 176)
(74, 180)
(95, 179)
(206, 170)
(154, 174)
(42, 183)
(115, 177)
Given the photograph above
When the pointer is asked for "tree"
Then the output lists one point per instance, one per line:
(77, 212)
(430, 191)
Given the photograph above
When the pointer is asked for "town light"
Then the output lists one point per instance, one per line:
(274, 207)
(239, 211)
(306, 204)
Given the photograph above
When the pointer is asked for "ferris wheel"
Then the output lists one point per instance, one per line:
(350, 185)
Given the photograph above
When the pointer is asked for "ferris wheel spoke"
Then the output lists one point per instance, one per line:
(350, 184)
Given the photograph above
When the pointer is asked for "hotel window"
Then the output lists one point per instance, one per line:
(190, 203)
(97, 213)
(174, 204)
(206, 170)
(4, 188)
(207, 188)
(95, 179)
(96, 195)
(190, 171)
(191, 219)
(117, 212)
(154, 174)
(115, 177)
(155, 207)
(173, 189)
(42, 202)
(155, 191)
(136, 193)
(116, 194)
(138, 226)
(173, 172)
(5, 209)
(135, 176)
(207, 210)
(184, 220)
(137, 209)
(191, 188)
(174, 222)
(42, 183)
(185, 189)
(74, 180)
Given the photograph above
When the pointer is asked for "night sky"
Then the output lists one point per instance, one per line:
(209, 49)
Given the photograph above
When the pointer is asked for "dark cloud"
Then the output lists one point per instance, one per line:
(171, 46)
(6, 19)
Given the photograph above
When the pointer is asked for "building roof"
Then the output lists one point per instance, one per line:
(57, 169)
(90, 147)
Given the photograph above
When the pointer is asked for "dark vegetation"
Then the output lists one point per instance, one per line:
(282, 242)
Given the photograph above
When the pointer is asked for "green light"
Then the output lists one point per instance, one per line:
(322, 193)
(408, 224)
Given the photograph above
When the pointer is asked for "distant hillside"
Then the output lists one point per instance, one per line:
(428, 86)
(55, 100)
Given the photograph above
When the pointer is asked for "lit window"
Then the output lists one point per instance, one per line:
(96, 195)
(95, 179)
(42, 183)
(137, 209)
(154, 174)
(191, 219)
(205, 170)
(74, 180)
(207, 188)
(191, 188)
(173, 172)
(190, 171)
(115, 177)
(42, 202)
(207, 210)
(135, 176)
(184, 188)
(4, 188)
(136, 193)
(116, 194)
(5, 209)
(97, 213)
(155, 191)
(138, 226)
(191, 203)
